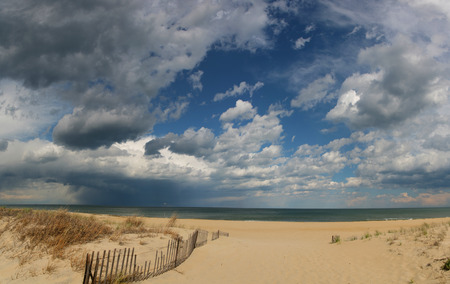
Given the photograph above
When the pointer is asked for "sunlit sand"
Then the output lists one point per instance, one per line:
(408, 251)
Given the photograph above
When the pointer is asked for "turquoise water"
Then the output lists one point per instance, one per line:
(247, 214)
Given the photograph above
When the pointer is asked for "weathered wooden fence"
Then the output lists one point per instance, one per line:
(216, 235)
(120, 265)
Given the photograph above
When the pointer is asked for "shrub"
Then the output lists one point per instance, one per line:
(335, 239)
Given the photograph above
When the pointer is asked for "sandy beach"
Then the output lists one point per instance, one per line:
(408, 251)
(283, 252)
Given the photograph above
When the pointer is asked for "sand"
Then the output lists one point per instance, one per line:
(273, 252)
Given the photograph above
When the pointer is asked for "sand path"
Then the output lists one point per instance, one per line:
(267, 252)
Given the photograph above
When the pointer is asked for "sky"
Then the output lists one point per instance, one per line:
(249, 103)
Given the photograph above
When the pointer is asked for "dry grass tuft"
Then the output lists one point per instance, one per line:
(134, 222)
(55, 230)
(78, 260)
(168, 228)
(133, 225)
(172, 220)
(50, 268)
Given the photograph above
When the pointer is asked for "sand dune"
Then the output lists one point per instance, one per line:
(410, 251)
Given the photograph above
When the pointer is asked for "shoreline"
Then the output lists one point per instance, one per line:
(257, 214)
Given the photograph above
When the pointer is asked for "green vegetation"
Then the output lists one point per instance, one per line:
(335, 239)
(366, 236)
(446, 265)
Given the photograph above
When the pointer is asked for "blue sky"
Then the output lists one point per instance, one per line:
(296, 104)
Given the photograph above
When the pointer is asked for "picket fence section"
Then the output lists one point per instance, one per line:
(121, 265)
(216, 235)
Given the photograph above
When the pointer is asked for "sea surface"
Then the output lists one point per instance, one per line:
(248, 214)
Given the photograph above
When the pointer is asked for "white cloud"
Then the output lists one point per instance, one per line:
(243, 111)
(25, 113)
(314, 93)
(310, 28)
(301, 42)
(243, 88)
(195, 80)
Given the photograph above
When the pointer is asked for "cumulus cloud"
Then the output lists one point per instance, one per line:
(154, 146)
(404, 82)
(152, 169)
(235, 143)
(413, 155)
(123, 51)
(243, 111)
(314, 93)
(243, 88)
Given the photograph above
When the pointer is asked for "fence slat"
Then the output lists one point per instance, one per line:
(101, 267)
(112, 265)
(131, 260)
(86, 271)
(94, 278)
(145, 269)
(154, 263)
(117, 264)
(107, 267)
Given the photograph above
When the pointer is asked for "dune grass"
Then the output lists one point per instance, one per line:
(57, 230)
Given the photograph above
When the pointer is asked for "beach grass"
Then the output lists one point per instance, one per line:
(56, 230)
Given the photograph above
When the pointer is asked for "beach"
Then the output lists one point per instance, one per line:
(295, 252)
(402, 251)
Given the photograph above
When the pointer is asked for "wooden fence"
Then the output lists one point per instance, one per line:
(120, 265)
(216, 235)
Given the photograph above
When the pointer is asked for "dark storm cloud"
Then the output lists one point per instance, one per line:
(195, 143)
(88, 46)
(51, 41)
(106, 56)
(123, 191)
(92, 129)
(153, 146)
(88, 185)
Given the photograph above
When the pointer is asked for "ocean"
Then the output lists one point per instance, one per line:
(249, 214)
